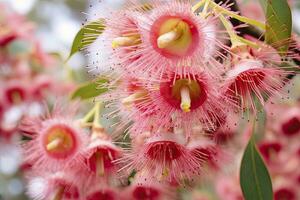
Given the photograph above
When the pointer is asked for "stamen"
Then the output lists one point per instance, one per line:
(128, 101)
(99, 164)
(185, 99)
(166, 39)
(125, 41)
(54, 144)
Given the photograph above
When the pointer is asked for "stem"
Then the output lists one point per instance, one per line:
(88, 116)
(230, 30)
(96, 122)
(198, 5)
(244, 19)
(205, 8)
(222, 10)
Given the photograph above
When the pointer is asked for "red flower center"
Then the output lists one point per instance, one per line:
(164, 151)
(195, 93)
(174, 36)
(66, 190)
(102, 160)
(60, 141)
(102, 195)
(15, 94)
(284, 194)
(247, 80)
(291, 127)
(145, 193)
(270, 149)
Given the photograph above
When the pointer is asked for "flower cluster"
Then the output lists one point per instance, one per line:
(176, 79)
(175, 76)
(25, 73)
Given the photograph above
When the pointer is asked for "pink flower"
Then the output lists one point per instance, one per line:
(56, 141)
(128, 97)
(121, 38)
(100, 154)
(174, 37)
(253, 75)
(207, 152)
(270, 149)
(103, 194)
(60, 186)
(143, 189)
(289, 123)
(16, 92)
(186, 101)
(162, 157)
(227, 131)
(285, 193)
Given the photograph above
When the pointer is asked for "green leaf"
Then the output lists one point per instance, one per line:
(87, 35)
(279, 25)
(254, 177)
(90, 90)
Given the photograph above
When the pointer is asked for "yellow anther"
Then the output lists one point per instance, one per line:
(168, 38)
(128, 101)
(125, 41)
(185, 99)
(54, 144)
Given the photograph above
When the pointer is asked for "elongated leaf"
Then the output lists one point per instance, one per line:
(87, 35)
(254, 177)
(89, 90)
(279, 25)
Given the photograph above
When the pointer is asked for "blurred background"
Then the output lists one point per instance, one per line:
(56, 23)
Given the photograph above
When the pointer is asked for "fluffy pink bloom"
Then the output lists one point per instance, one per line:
(95, 190)
(162, 157)
(128, 98)
(174, 37)
(227, 131)
(143, 189)
(103, 194)
(55, 141)
(253, 73)
(60, 186)
(207, 152)
(192, 99)
(99, 156)
(121, 38)
(148, 39)
(15, 92)
(273, 154)
(186, 101)
(289, 122)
